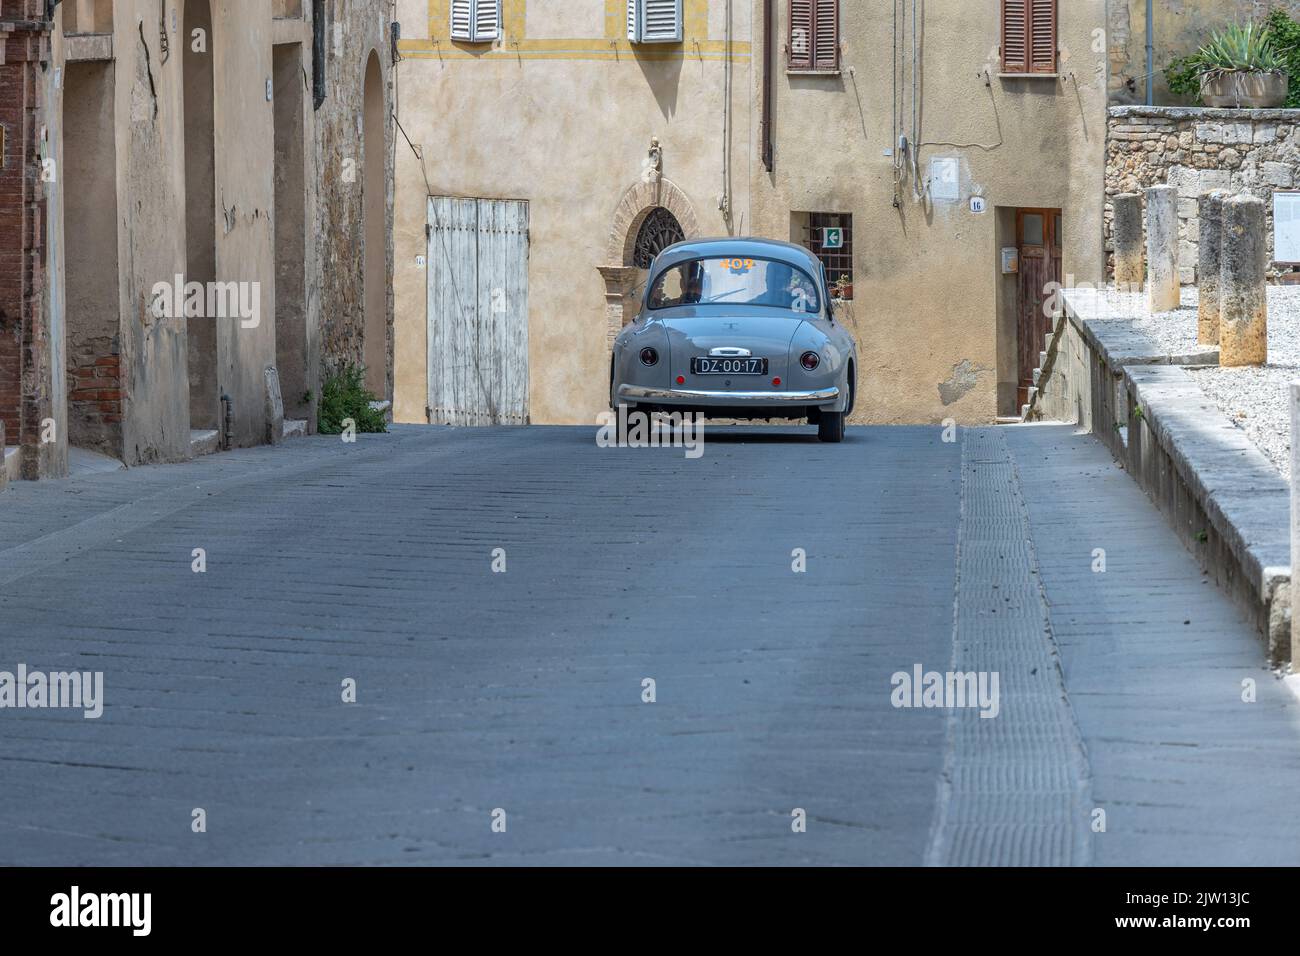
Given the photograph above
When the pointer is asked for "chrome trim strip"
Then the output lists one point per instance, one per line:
(729, 352)
(688, 396)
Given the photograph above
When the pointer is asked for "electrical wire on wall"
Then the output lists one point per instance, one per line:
(724, 201)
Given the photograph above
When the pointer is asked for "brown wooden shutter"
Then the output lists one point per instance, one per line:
(800, 45)
(1042, 36)
(826, 35)
(1015, 36)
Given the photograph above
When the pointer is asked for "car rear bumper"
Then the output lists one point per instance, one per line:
(687, 396)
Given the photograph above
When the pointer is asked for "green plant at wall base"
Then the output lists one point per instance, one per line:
(1286, 37)
(344, 396)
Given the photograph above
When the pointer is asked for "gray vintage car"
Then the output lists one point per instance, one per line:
(737, 328)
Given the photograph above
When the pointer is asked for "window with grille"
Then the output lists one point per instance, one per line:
(1028, 36)
(823, 229)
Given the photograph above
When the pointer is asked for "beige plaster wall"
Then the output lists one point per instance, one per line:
(927, 277)
(565, 123)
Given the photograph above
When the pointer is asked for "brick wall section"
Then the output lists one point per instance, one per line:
(24, 351)
(95, 404)
(1246, 151)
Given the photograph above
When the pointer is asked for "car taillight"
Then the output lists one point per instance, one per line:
(649, 357)
(810, 360)
(681, 379)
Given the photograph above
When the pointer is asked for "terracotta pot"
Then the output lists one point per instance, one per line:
(1245, 90)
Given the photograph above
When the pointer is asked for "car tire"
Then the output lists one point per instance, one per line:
(830, 427)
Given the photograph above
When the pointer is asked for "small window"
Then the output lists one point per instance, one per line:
(475, 21)
(830, 238)
(814, 43)
(654, 21)
(1029, 36)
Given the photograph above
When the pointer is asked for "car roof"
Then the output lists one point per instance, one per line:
(731, 246)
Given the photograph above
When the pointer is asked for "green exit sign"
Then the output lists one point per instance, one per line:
(833, 238)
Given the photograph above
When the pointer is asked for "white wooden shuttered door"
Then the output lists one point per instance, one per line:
(478, 311)
(654, 21)
(462, 19)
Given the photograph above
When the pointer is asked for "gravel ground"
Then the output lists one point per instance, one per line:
(1256, 399)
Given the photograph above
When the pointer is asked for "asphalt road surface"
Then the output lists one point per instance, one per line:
(501, 716)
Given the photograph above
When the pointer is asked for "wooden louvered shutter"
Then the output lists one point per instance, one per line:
(663, 21)
(826, 35)
(462, 20)
(800, 48)
(1042, 36)
(487, 19)
(1015, 36)
(634, 21)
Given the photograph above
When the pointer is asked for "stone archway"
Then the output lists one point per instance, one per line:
(620, 271)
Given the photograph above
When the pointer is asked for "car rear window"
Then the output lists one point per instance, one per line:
(765, 283)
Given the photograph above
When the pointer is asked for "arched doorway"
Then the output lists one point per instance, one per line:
(651, 216)
(658, 231)
(200, 210)
(374, 266)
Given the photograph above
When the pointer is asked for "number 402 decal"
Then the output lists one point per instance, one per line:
(740, 266)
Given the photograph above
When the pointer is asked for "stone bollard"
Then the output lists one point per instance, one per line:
(1243, 289)
(1163, 290)
(1295, 524)
(1210, 211)
(1126, 229)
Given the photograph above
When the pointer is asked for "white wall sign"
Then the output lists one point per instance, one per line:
(978, 204)
(945, 178)
(1286, 227)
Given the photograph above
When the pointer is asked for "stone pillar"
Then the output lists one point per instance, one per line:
(1243, 289)
(1126, 228)
(620, 307)
(1163, 290)
(1295, 523)
(1210, 212)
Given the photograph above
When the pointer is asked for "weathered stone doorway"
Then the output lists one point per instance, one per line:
(200, 210)
(291, 355)
(375, 344)
(95, 388)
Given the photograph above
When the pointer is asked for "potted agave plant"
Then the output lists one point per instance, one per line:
(1242, 68)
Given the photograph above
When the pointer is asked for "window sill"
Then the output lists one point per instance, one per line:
(812, 72)
(1029, 76)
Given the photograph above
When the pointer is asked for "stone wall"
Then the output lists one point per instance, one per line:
(1246, 151)
(353, 33)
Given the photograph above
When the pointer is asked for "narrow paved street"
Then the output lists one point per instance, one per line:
(477, 690)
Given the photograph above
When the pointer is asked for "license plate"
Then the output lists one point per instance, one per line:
(729, 366)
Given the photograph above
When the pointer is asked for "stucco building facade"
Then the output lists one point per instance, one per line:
(209, 187)
(908, 130)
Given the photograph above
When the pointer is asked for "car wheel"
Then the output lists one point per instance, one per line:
(830, 427)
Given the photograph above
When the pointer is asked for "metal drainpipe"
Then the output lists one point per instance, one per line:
(1151, 53)
(768, 157)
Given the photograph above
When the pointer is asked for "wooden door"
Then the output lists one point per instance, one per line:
(478, 311)
(1038, 238)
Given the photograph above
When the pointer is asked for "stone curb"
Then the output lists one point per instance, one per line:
(1222, 496)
